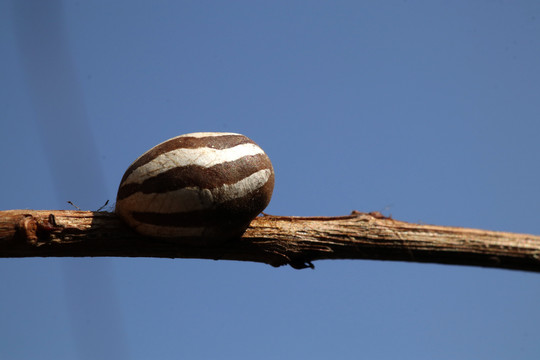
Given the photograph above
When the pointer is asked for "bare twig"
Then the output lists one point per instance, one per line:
(274, 240)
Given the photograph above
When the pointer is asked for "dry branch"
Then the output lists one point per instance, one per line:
(274, 240)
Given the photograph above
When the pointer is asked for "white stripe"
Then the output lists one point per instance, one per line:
(199, 135)
(206, 134)
(241, 188)
(195, 135)
(204, 157)
(194, 198)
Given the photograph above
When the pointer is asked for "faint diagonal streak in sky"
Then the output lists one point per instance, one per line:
(69, 147)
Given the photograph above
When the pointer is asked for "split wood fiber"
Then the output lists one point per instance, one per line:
(274, 240)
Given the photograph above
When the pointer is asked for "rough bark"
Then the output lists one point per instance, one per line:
(274, 240)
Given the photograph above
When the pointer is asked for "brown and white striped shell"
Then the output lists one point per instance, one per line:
(196, 186)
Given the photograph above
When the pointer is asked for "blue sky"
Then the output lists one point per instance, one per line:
(425, 110)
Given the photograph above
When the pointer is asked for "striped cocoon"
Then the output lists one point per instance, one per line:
(199, 186)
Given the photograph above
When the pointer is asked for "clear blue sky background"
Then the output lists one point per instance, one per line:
(425, 110)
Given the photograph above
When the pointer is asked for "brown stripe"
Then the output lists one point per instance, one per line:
(214, 142)
(183, 219)
(192, 175)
